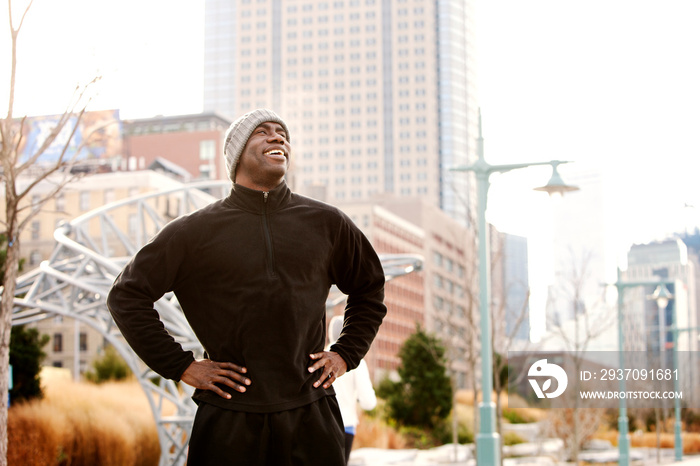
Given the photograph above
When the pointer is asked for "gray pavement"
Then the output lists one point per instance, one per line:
(543, 454)
(536, 451)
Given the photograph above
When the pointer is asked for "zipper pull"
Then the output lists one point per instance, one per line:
(265, 194)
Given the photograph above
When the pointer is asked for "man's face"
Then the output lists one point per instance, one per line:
(265, 157)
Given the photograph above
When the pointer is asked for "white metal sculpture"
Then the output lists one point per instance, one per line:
(89, 253)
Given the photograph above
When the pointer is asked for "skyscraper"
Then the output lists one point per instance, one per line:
(379, 95)
(517, 286)
(668, 260)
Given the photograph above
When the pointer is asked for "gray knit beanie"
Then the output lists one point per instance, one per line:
(240, 130)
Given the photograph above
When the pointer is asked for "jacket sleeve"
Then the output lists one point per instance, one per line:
(363, 385)
(150, 274)
(357, 271)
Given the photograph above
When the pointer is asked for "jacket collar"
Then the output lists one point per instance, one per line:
(257, 201)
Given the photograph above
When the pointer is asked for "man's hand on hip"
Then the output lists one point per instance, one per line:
(333, 367)
(205, 374)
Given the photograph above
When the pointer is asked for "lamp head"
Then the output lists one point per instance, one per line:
(661, 295)
(556, 186)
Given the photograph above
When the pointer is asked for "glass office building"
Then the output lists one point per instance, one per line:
(379, 94)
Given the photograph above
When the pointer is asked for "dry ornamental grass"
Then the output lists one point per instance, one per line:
(84, 424)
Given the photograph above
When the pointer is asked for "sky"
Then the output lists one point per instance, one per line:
(611, 85)
(148, 52)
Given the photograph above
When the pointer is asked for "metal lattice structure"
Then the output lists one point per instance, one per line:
(90, 252)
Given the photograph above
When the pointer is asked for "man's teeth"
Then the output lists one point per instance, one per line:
(274, 152)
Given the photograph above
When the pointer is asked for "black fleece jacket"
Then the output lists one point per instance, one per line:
(252, 273)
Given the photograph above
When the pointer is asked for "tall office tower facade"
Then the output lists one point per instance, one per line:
(666, 260)
(379, 95)
(669, 333)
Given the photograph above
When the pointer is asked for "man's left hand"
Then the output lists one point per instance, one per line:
(333, 367)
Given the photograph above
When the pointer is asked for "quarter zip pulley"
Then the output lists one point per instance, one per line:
(271, 266)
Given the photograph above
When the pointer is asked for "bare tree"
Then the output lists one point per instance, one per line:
(458, 325)
(500, 363)
(23, 169)
(461, 345)
(460, 331)
(576, 425)
(504, 338)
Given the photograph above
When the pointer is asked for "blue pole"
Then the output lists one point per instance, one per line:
(678, 439)
(622, 420)
(623, 443)
(488, 443)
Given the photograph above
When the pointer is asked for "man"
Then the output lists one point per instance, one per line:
(252, 273)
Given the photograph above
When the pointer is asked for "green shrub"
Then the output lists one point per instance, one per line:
(511, 438)
(515, 417)
(417, 437)
(111, 366)
(26, 355)
(691, 419)
(423, 395)
(443, 432)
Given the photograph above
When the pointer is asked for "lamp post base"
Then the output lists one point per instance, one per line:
(623, 441)
(678, 441)
(488, 440)
(488, 449)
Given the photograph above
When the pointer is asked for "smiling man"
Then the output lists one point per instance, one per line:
(252, 273)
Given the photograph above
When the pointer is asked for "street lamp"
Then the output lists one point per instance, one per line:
(556, 186)
(675, 330)
(488, 445)
(661, 297)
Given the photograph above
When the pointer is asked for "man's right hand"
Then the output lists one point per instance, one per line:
(205, 374)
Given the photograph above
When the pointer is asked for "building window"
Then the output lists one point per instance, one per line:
(460, 271)
(35, 257)
(108, 196)
(207, 154)
(207, 149)
(84, 200)
(61, 202)
(439, 305)
(57, 342)
(83, 342)
(36, 229)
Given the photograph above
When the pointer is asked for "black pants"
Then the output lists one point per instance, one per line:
(348, 446)
(309, 435)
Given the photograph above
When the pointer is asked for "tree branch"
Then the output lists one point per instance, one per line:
(37, 208)
(13, 71)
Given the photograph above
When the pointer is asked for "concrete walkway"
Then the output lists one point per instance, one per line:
(536, 451)
(445, 455)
